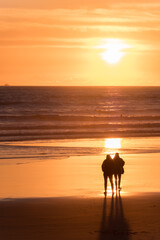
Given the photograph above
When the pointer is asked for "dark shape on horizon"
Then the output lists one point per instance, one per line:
(114, 226)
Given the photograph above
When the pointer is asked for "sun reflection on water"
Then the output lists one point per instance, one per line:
(112, 145)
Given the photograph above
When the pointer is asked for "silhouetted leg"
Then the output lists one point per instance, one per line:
(111, 181)
(105, 183)
(119, 182)
(115, 176)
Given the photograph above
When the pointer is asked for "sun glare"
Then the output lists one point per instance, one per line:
(114, 50)
(113, 143)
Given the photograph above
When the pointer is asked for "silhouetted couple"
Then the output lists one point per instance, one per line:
(113, 167)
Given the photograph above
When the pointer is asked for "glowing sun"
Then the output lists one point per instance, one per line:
(114, 50)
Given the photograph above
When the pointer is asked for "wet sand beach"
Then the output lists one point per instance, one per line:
(63, 198)
(130, 217)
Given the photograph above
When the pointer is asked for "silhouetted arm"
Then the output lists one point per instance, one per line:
(103, 166)
(123, 162)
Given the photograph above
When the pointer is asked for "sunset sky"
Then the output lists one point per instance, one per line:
(87, 42)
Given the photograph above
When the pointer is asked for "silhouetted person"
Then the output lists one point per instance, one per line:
(108, 168)
(118, 170)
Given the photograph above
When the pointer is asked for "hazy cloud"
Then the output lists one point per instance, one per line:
(36, 26)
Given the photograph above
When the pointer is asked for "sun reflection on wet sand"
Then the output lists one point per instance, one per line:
(112, 145)
(110, 194)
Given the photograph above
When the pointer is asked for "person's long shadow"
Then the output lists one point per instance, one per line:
(114, 226)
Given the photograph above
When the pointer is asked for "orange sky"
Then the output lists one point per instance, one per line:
(48, 42)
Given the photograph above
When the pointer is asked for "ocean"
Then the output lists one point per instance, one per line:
(28, 113)
(59, 114)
